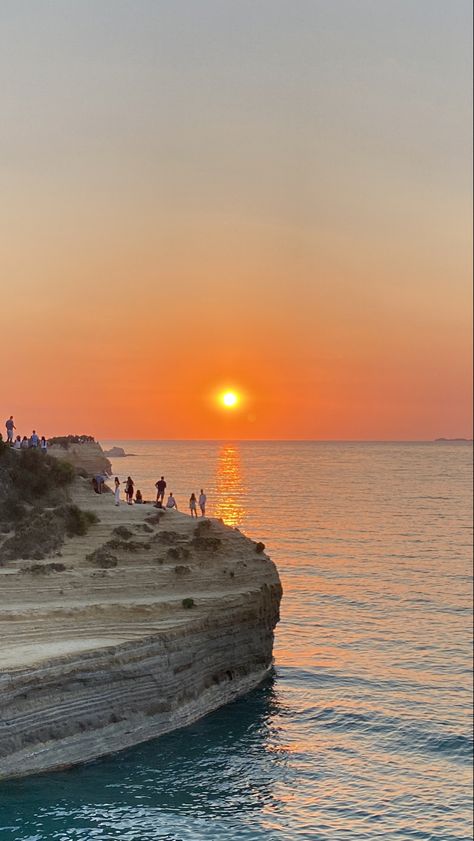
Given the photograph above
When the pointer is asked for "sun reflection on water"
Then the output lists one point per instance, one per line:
(229, 486)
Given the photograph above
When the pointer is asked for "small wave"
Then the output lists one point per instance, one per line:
(406, 736)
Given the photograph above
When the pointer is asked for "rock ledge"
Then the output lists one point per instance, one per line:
(97, 659)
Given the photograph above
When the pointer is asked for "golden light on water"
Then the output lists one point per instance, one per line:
(229, 486)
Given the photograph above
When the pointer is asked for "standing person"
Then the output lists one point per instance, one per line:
(160, 489)
(202, 503)
(192, 505)
(34, 440)
(171, 502)
(10, 427)
(129, 485)
(117, 490)
(98, 482)
(43, 445)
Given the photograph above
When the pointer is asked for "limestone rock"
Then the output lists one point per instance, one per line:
(113, 658)
(88, 457)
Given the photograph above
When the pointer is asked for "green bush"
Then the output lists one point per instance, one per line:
(34, 475)
(188, 603)
(64, 440)
(33, 505)
(38, 536)
(102, 558)
(76, 521)
(123, 532)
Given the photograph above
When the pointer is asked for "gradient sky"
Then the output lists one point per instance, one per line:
(272, 196)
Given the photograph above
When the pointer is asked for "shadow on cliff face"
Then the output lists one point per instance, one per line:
(205, 769)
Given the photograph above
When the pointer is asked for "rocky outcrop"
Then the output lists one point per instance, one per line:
(96, 659)
(117, 452)
(88, 457)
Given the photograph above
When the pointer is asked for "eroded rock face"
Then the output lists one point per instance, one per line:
(89, 457)
(95, 660)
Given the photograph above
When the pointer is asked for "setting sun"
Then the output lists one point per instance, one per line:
(229, 399)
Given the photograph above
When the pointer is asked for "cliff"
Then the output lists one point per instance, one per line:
(143, 625)
(88, 457)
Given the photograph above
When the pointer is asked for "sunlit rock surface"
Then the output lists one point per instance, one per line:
(102, 654)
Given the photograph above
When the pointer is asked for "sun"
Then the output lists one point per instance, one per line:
(230, 399)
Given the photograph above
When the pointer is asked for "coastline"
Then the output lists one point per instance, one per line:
(102, 654)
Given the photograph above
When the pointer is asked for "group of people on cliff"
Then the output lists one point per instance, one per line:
(33, 442)
(136, 497)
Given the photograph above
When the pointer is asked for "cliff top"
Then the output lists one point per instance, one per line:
(125, 578)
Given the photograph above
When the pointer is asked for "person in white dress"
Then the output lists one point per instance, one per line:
(192, 505)
(117, 490)
(171, 502)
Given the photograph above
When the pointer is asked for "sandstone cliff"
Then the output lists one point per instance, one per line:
(98, 651)
(89, 457)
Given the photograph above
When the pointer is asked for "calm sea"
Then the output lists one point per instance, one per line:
(364, 732)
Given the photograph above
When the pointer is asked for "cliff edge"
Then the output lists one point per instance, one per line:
(87, 456)
(141, 625)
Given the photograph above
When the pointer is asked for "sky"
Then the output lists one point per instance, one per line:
(266, 196)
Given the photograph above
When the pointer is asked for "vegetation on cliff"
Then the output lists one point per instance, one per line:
(35, 515)
(65, 440)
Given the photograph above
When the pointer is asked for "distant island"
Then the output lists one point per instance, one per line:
(117, 452)
(453, 440)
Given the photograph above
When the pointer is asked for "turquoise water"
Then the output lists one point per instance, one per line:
(364, 730)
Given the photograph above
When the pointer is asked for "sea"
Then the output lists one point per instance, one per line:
(364, 729)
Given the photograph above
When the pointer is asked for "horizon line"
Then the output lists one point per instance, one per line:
(441, 439)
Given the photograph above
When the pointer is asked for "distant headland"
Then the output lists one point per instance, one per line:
(453, 440)
(117, 452)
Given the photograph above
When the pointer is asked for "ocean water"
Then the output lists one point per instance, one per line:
(364, 730)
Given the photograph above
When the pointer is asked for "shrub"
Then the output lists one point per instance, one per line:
(206, 544)
(29, 481)
(168, 537)
(188, 603)
(44, 569)
(178, 553)
(62, 472)
(12, 510)
(202, 526)
(126, 545)
(64, 440)
(259, 547)
(181, 569)
(33, 475)
(124, 532)
(77, 522)
(38, 536)
(103, 558)
(154, 519)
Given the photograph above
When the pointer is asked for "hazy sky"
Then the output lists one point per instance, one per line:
(271, 196)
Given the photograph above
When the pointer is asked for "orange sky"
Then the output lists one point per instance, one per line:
(277, 204)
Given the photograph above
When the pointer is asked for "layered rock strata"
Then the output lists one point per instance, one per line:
(89, 457)
(103, 654)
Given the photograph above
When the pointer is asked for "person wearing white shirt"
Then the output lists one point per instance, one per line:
(202, 503)
(171, 502)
